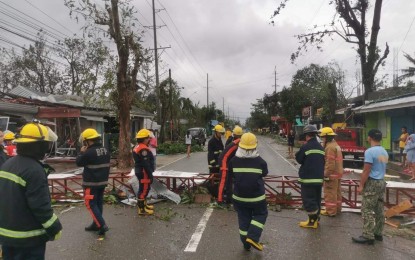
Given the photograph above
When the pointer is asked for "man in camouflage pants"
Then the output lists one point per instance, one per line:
(372, 186)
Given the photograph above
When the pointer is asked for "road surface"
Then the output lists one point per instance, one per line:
(199, 232)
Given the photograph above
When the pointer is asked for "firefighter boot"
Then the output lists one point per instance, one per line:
(312, 221)
(142, 210)
(325, 213)
(258, 246)
(151, 207)
(92, 227)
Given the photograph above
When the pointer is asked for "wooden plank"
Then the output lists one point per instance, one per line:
(395, 210)
(392, 223)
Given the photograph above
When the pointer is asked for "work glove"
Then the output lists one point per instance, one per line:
(57, 236)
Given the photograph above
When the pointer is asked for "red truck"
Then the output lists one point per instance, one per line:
(351, 142)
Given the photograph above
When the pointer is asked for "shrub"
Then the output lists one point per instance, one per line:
(175, 148)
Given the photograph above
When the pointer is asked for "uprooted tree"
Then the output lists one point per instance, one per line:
(117, 22)
(350, 24)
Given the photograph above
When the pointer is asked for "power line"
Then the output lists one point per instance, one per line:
(49, 16)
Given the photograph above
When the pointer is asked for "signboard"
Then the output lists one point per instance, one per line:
(4, 123)
(58, 112)
(306, 111)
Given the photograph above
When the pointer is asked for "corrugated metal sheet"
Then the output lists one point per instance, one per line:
(386, 105)
(26, 92)
(18, 108)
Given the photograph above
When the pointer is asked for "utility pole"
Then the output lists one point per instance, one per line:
(223, 108)
(171, 105)
(275, 80)
(156, 60)
(207, 90)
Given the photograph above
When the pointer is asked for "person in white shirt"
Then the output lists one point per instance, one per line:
(188, 142)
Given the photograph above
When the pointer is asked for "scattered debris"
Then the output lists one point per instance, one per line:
(67, 210)
(395, 210)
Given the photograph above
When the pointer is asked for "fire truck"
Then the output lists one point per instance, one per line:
(351, 142)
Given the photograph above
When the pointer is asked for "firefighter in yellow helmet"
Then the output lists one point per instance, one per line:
(10, 146)
(247, 170)
(333, 171)
(311, 173)
(96, 162)
(236, 134)
(144, 168)
(215, 147)
(225, 184)
(30, 221)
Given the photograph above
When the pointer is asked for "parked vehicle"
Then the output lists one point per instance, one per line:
(199, 135)
(351, 142)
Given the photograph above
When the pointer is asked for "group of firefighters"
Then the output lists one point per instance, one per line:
(30, 221)
(241, 169)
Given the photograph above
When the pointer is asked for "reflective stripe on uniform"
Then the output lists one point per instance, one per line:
(211, 161)
(314, 151)
(217, 152)
(251, 170)
(243, 233)
(262, 197)
(87, 183)
(257, 224)
(12, 177)
(50, 221)
(310, 180)
(97, 166)
(21, 234)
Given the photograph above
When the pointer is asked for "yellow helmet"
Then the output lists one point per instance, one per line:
(237, 130)
(34, 132)
(143, 133)
(326, 131)
(9, 136)
(219, 129)
(89, 134)
(248, 141)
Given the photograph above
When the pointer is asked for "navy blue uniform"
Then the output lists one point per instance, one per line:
(225, 184)
(215, 148)
(311, 173)
(144, 168)
(27, 220)
(249, 195)
(96, 163)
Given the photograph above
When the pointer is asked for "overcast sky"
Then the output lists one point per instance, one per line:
(235, 44)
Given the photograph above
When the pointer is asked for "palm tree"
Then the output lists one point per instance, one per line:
(410, 71)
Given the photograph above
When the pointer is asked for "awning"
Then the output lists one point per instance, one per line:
(95, 118)
(386, 105)
(298, 122)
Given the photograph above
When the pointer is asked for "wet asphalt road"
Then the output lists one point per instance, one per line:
(166, 235)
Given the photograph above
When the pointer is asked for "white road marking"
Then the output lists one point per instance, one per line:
(295, 168)
(197, 235)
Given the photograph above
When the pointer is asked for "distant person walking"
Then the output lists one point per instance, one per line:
(372, 187)
(402, 141)
(291, 140)
(247, 170)
(152, 145)
(410, 154)
(188, 142)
